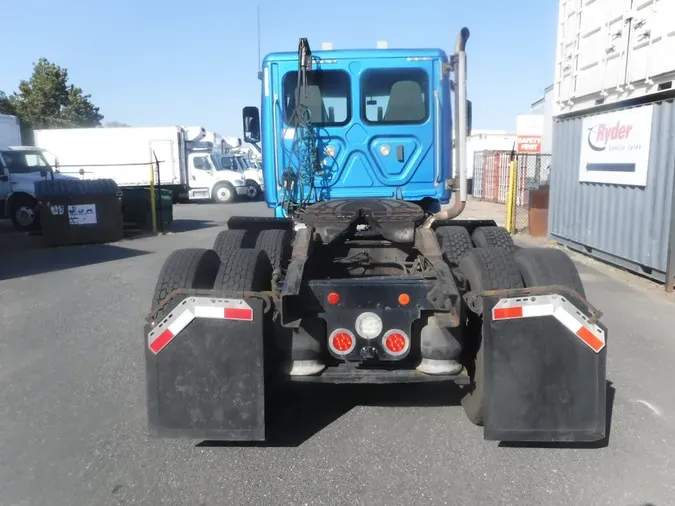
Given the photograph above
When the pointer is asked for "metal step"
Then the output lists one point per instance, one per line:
(348, 373)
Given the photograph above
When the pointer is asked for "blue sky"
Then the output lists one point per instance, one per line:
(164, 62)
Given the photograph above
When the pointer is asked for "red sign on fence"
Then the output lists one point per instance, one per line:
(529, 144)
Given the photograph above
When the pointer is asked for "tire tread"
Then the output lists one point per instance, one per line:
(493, 237)
(454, 243)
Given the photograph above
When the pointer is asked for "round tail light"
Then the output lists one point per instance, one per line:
(341, 342)
(396, 342)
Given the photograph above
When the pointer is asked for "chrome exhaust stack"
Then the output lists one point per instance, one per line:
(461, 129)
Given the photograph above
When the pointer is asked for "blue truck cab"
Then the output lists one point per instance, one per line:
(382, 126)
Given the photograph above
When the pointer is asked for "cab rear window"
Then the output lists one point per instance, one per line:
(327, 96)
(395, 96)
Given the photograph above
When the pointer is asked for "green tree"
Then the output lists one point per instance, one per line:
(46, 100)
(6, 106)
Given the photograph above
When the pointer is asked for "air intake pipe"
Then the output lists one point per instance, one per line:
(461, 127)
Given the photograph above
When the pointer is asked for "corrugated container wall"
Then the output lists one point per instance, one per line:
(613, 50)
(628, 225)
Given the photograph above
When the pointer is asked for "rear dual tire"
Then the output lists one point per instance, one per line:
(455, 241)
(493, 237)
(276, 243)
(498, 269)
(203, 269)
(484, 269)
(184, 269)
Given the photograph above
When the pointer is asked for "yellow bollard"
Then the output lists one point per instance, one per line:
(511, 198)
(153, 210)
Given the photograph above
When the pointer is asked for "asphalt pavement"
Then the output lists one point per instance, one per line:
(73, 420)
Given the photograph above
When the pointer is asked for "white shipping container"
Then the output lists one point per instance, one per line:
(10, 131)
(122, 154)
(612, 50)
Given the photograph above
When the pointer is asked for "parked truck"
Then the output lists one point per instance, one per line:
(227, 154)
(20, 168)
(365, 274)
(127, 156)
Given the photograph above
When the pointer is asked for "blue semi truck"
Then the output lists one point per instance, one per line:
(364, 273)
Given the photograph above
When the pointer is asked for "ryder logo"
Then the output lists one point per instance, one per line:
(600, 135)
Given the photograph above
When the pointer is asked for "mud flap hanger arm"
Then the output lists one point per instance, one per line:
(268, 299)
(475, 299)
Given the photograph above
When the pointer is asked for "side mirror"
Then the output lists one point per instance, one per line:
(469, 117)
(251, 117)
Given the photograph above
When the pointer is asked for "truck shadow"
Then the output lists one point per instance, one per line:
(188, 225)
(28, 263)
(299, 411)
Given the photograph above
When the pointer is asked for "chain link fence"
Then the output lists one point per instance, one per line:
(491, 179)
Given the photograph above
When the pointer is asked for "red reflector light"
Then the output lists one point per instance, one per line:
(238, 313)
(341, 341)
(504, 313)
(592, 341)
(162, 340)
(404, 299)
(333, 298)
(396, 342)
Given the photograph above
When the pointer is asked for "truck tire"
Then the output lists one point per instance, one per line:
(277, 245)
(224, 193)
(253, 191)
(454, 243)
(23, 212)
(191, 268)
(493, 237)
(484, 269)
(548, 266)
(244, 270)
(227, 241)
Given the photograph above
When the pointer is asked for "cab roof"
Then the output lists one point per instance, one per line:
(360, 54)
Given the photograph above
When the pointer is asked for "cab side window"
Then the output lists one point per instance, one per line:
(395, 96)
(202, 163)
(327, 97)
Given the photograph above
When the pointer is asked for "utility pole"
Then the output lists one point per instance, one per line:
(259, 61)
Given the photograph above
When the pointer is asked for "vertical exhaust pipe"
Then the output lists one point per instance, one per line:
(461, 127)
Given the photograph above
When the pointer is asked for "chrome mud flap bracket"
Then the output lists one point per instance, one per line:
(204, 370)
(545, 356)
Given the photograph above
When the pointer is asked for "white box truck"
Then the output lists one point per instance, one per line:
(228, 154)
(609, 51)
(127, 156)
(20, 167)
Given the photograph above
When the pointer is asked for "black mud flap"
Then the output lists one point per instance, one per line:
(545, 368)
(204, 371)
